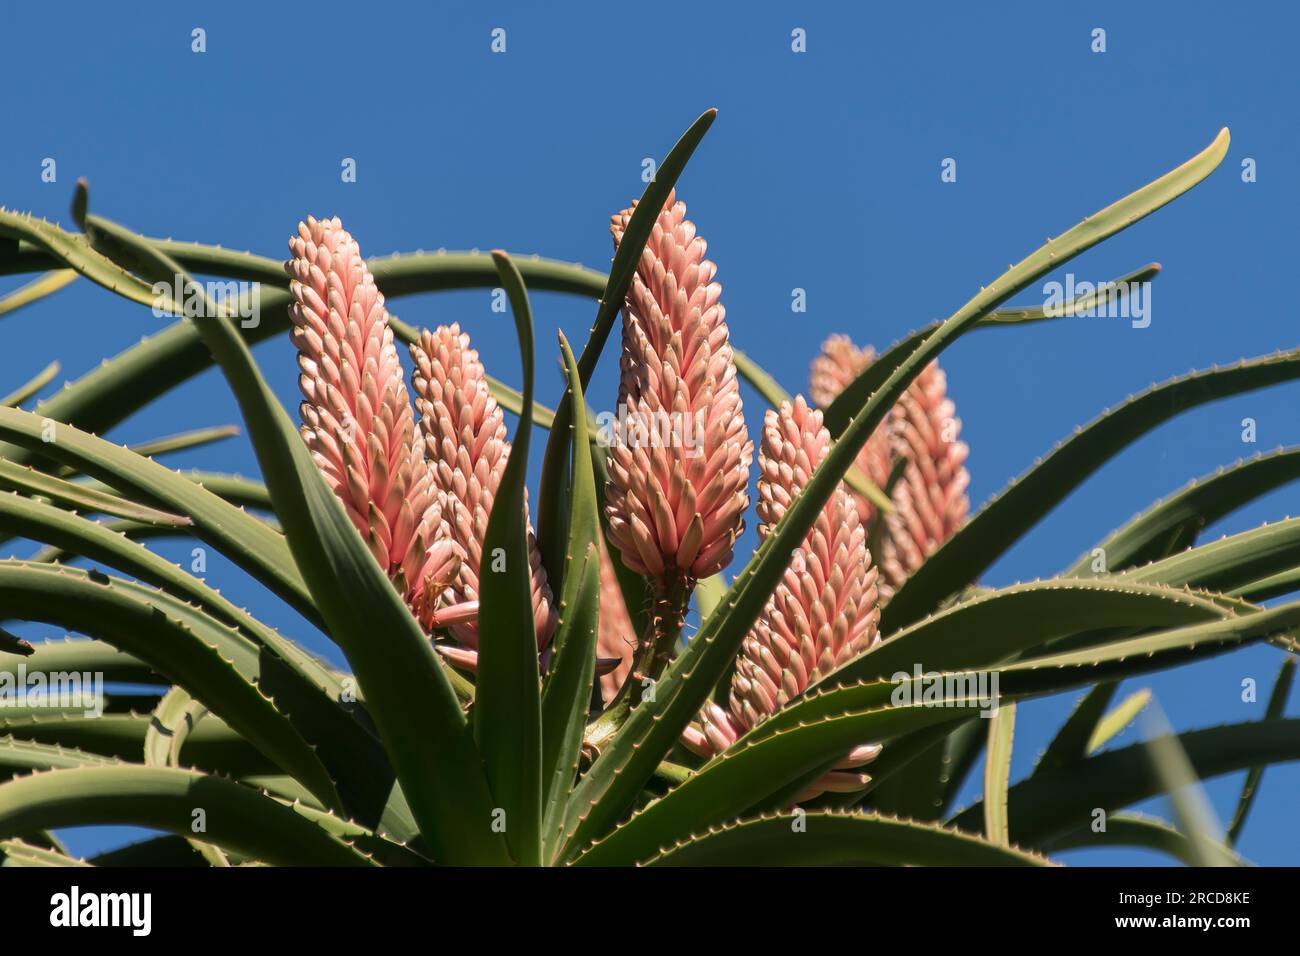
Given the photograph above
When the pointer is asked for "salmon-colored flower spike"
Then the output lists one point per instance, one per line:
(822, 613)
(838, 364)
(930, 497)
(679, 465)
(615, 638)
(930, 502)
(464, 434)
(356, 413)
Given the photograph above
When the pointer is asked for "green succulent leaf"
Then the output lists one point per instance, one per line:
(1230, 563)
(32, 482)
(248, 542)
(507, 692)
(969, 552)
(1072, 739)
(31, 387)
(21, 854)
(83, 655)
(1132, 829)
(1055, 802)
(996, 626)
(751, 770)
(1179, 782)
(238, 818)
(172, 721)
(1254, 777)
(195, 438)
(213, 746)
(18, 755)
(569, 682)
(1201, 503)
(160, 632)
(997, 771)
(37, 289)
(824, 838)
(1113, 723)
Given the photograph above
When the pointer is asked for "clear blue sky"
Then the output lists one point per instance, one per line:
(822, 172)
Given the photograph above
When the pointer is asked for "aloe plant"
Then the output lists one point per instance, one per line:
(520, 694)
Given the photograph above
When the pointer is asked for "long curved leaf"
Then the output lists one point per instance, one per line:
(997, 771)
(72, 533)
(1229, 563)
(1250, 789)
(32, 482)
(742, 776)
(213, 746)
(19, 754)
(507, 692)
(822, 838)
(1129, 829)
(159, 634)
(36, 290)
(20, 853)
(236, 817)
(1199, 504)
(67, 654)
(31, 387)
(969, 552)
(1058, 801)
(568, 688)
(174, 718)
(994, 627)
(248, 542)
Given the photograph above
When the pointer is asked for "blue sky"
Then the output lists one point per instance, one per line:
(822, 172)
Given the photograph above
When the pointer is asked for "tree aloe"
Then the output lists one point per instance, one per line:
(520, 694)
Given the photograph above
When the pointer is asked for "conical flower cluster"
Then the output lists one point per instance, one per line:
(356, 413)
(616, 640)
(838, 364)
(930, 502)
(420, 492)
(464, 433)
(929, 499)
(678, 477)
(822, 613)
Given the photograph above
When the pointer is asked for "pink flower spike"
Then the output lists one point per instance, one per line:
(930, 502)
(679, 463)
(822, 613)
(616, 640)
(678, 481)
(356, 413)
(464, 436)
